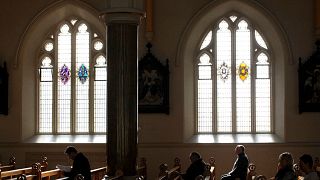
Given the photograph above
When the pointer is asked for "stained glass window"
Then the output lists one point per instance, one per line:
(233, 79)
(68, 104)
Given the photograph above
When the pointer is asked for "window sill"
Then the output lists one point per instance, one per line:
(235, 138)
(67, 139)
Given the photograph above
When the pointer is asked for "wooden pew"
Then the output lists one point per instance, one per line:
(99, 173)
(166, 173)
(251, 171)
(210, 172)
(252, 175)
(142, 169)
(96, 174)
(316, 165)
(29, 172)
(10, 166)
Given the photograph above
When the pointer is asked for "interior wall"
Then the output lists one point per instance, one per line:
(161, 136)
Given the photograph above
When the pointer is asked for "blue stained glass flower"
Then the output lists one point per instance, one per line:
(64, 74)
(83, 74)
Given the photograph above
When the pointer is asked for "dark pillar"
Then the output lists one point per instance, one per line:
(122, 63)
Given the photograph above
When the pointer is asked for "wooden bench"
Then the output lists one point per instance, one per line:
(96, 174)
(29, 172)
(210, 172)
(142, 169)
(10, 166)
(252, 175)
(166, 173)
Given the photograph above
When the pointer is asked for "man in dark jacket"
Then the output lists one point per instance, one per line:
(196, 168)
(240, 166)
(80, 164)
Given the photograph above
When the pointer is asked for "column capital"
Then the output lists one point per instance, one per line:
(122, 15)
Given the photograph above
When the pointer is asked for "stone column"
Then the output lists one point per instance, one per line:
(122, 62)
(317, 19)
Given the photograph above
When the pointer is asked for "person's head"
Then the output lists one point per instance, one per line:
(285, 160)
(71, 152)
(239, 149)
(194, 156)
(305, 163)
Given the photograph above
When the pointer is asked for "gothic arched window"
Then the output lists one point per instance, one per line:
(72, 81)
(233, 79)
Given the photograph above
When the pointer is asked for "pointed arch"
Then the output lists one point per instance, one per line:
(263, 20)
(30, 44)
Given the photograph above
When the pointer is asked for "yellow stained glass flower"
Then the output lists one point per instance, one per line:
(243, 71)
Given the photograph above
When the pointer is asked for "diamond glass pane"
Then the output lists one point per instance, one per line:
(82, 87)
(45, 107)
(260, 40)
(204, 106)
(64, 90)
(206, 40)
(224, 101)
(243, 87)
(263, 108)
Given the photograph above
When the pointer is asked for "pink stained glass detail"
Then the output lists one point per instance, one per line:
(64, 74)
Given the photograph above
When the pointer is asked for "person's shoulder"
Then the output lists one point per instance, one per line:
(312, 176)
(80, 155)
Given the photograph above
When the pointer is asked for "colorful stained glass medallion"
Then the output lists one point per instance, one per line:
(224, 71)
(243, 71)
(64, 74)
(83, 74)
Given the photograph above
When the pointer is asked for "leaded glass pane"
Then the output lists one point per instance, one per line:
(98, 45)
(48, 46)
(100, 95)
(260, 40)
(45, 107)
(204, 72)
(262, 59)
(224, 95)
(263, 106)
(82, 85)
(64, 87)
(45, 96)
(205, 60)
(204, 106)
(243, 86)
(233, 18)
(206, 40)
(46, 70)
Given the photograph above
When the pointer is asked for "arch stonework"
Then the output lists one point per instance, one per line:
(273, 33)
(27, 56)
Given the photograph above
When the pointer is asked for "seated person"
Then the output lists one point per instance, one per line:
(196, 168)
(285, 167)
(306, 164)
(80, 164)
(240, 166)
